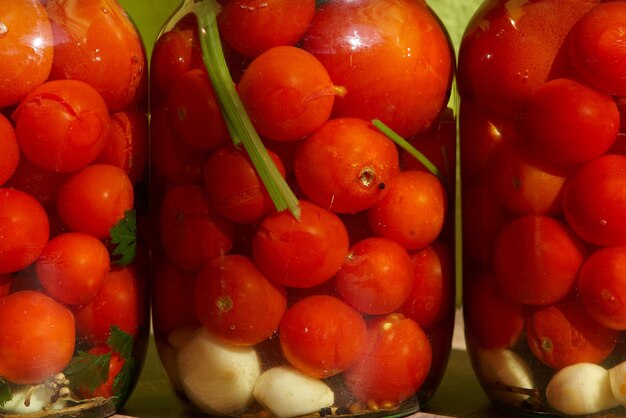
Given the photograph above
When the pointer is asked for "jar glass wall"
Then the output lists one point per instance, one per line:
(542, 163)
(295, 238)
(73, 172)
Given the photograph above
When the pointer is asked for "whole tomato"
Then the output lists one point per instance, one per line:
(8, 149)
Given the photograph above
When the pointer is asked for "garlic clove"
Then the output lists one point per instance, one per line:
(505, 373)
(617, 377)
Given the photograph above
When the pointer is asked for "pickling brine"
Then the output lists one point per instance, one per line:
(303, 194)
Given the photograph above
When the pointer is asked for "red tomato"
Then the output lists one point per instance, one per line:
(97, 43)
(24, 230)
(73, 267)
(536, 259)
(191, 230)
(234, 186)
(94, 199)
(37, 338)
(493, 319)
(563, 334)
(254, 26)
(394, 365)
(175, 52)
(322, 336)
(172, 159)
(412, 212)
(301, 253)
(127, 145)
(287, 93)
(236, 303)
(8, 149)
(560, 117)
(484, 134)
(25, 49)
(117, 303)
(595, 48)
(602, 286)
(6, 281)
(500, 64)
(346, 166)
(62, 125)
(43, 185)
(105, 390)
(376, 277)
(369, 44)
(528, 184)
(172, 299)
(594, 202)
(432, 293)
(194, 113)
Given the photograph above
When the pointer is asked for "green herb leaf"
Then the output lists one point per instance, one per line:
(239, 125)
(5, 392)
(88, 371)
(405, 145)
(121, 342)
(122, 382)
(124, 236)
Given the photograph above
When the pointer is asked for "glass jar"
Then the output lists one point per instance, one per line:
(73, 153)
(543, 166)
(303, 262)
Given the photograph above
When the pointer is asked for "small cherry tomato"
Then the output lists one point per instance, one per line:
(8, 149)
(560, 116)
(412, 212)
(564, 333)
(26, 48)
(42, 184)
(115, 304)
(322, 336)
(62, 125)
(602, 286)
(94, 199)
(127, 145)
(98, 44)
(595, 48)
(395, 364)
(376, 277)
(73, 267)
(493, 319)
(253, 26)
(172, 299)
(234, 186)
(346, 166)
(362, 43)
(432, 292)
(527, 184)
(236, 303)
(191, 230)
(536, 260)
(173, 160)
(287, 93)
(594, 203)
(192, 107)
(24, 230)
(105, 390)
(37, 338)
(304, 252)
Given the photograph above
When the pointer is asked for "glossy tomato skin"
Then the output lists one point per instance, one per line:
(8, 149)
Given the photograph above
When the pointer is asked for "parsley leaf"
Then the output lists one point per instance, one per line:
(124, 236)
(121, 342)
(5, 392)
(88, 371)
(122, 382)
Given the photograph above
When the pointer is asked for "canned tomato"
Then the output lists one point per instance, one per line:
(544, 207)
(303, 186)
(73, 153)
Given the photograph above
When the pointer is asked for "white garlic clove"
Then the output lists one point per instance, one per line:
(582, 388)
(505, 373)
(181, 336)
(38, 399)
(286, 392)
(617, 377)
(216, 377)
